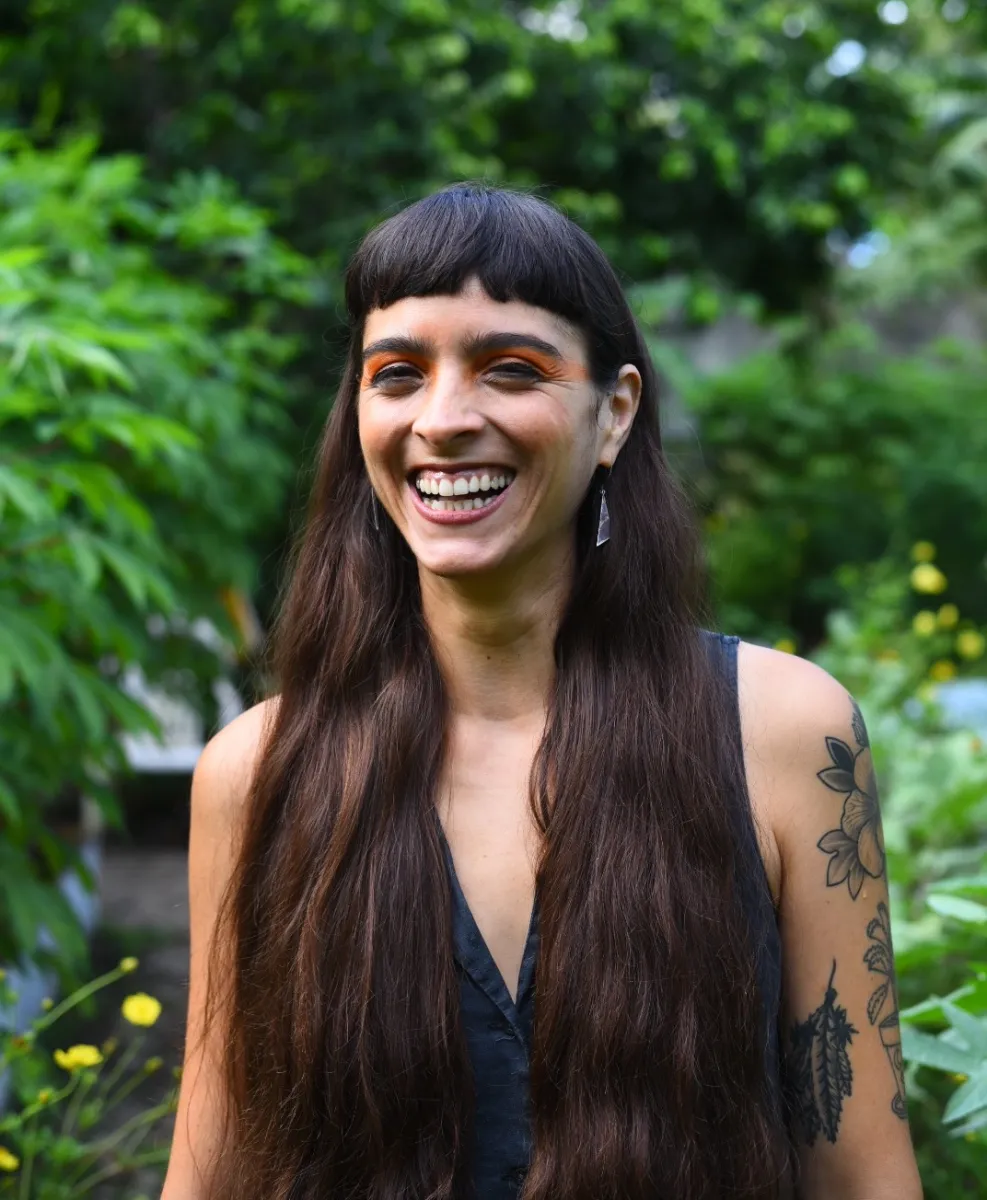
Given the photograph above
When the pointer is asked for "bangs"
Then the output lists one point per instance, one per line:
(518, 246)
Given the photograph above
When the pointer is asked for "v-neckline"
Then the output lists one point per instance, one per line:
(474, 955)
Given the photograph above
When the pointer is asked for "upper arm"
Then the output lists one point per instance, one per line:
(220, 785)
(841, 1043)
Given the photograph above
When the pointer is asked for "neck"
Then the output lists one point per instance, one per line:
(494, 639)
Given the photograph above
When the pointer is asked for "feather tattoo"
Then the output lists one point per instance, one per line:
(819, 1072)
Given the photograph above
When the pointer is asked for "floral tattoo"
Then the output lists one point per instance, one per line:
(857, 847)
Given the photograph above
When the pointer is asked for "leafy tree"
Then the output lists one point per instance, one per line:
(707, 135)
(138, 455)
(722, 140)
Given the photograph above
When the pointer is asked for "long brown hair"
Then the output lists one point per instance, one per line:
(347, 1073)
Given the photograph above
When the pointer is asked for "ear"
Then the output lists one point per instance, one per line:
(617, 416)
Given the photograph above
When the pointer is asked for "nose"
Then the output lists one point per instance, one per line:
(447, 408)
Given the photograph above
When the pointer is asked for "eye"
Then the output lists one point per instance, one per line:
(395, 375)
(515, 371)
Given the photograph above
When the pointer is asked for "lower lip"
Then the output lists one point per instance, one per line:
(445, 517)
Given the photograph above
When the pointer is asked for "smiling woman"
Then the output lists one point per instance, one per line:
(515, 884)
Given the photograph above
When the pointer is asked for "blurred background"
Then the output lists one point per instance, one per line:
(795, 194)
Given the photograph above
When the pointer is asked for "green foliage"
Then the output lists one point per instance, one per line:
(934, 787)
(56, 1143)
(138, 452)
(690, 121)
(833, 452)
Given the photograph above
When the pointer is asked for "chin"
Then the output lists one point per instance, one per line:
(457, 566)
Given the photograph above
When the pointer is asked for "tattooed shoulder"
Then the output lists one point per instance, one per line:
(856, 847)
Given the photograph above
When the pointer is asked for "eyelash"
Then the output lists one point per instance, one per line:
(397, 373)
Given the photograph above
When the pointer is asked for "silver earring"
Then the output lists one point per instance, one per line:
(603, 528)
(374, 514)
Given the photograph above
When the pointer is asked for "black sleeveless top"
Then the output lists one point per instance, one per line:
(498, 1031)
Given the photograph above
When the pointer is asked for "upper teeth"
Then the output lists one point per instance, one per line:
(462, 484)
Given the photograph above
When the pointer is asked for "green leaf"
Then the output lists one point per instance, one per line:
(963, 883)
(959, 908)
(928, 1051)
(9, 805)
(972, 1029)
(932, 1011)
(28, 499)
(17, 257)
(87, 560)
(969, 1098)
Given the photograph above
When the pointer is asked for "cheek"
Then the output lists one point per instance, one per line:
(377, 433)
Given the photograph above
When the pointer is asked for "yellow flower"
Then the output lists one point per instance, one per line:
(889, 655)
(785, 645)
(47, 1004)
(923, 552)
(942, 671)
(928, 579)
(77, 1056)
(128, 964)
(44, 1095)
(153, 1064)
(949, 614)
(8, 1161)
(924, 623)
(141, 1009)
(970, 643)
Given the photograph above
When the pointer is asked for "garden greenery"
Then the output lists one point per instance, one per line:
(138, 454)
(165, 357)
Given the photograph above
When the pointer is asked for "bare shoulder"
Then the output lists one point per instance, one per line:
(785, 700)
(788, 708)
(227, 764)
(220, 786)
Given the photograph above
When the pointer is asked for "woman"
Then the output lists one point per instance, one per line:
(516, 881)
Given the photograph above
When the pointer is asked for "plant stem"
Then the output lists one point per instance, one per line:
(103, 1146)
(73, 1106)
(141, 1160)
(26, 1170)
(77, 997)
(144, 1118)
(124, 1061)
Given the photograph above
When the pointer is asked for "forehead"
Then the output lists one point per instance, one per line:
(447, 320)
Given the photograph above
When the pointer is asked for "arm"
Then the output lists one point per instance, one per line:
(810, 764)
(220, 786)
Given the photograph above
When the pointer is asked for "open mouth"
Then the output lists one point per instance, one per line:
(462, 499)
(469, 501)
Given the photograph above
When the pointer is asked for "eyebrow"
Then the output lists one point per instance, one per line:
(477, 343)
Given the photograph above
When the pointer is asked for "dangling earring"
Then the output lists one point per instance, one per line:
(603, 528)
(374, 514)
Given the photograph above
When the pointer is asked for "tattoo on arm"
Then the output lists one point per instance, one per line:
(818, 1072)
(879, 958)
(856, 851)
(857, 846)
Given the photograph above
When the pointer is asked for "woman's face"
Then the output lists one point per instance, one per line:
(462, 395)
